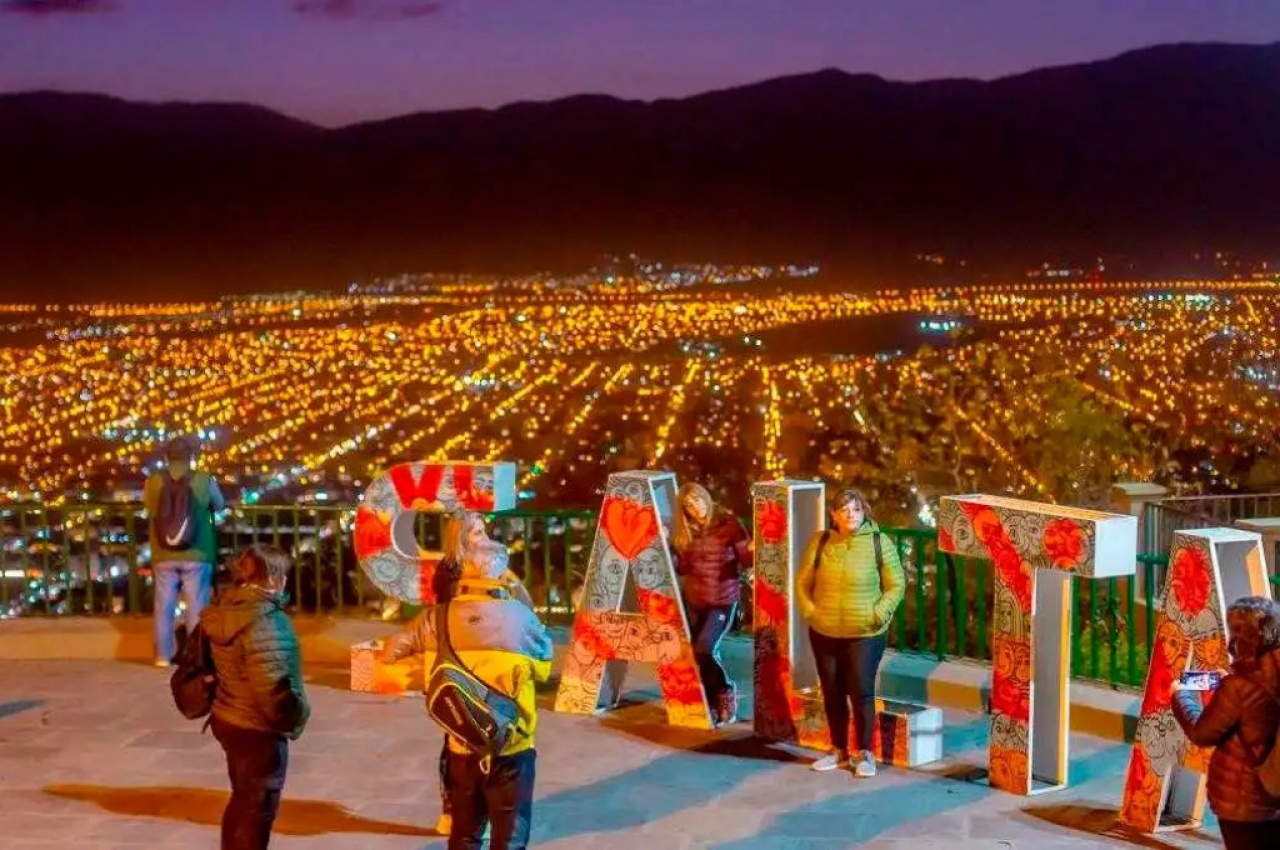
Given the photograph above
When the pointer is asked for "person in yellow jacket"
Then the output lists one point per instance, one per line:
(463, 532)
(849, 586)
(504, 644)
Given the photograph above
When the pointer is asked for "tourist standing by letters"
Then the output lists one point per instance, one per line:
(1240, 723)
(712, 552)
(850, 584)
(260, 703)
(181, 503)
(463, 533)
(501, 643)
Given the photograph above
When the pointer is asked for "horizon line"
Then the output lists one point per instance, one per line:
(319, 125)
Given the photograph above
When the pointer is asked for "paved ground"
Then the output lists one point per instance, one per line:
(93, 755)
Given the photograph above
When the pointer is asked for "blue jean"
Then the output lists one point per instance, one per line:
(195, 579)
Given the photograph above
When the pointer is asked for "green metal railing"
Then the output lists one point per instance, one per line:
(93, 560)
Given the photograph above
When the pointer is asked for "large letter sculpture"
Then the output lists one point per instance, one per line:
(386, 542)
(787, 514)
(1208, 570)
(631, 608)
(1035, 549)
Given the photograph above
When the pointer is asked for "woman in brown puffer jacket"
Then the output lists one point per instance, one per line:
(1240, 722)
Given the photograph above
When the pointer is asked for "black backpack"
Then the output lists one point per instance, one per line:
(194, 681)
(175, 516)
(475, 715)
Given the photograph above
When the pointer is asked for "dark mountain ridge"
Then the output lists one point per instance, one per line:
(1169, 149)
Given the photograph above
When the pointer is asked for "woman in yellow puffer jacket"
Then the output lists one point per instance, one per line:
(850, 584)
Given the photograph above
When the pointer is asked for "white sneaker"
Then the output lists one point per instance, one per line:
(866, 766)
(831, 761)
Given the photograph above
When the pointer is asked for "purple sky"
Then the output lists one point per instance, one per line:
(339, 61)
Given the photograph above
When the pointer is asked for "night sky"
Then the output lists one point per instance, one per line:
(340, 61)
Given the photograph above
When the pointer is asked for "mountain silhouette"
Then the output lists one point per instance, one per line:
(1169, 149)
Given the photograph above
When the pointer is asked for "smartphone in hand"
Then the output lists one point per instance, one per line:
(1201, 680)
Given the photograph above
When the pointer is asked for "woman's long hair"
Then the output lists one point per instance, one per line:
(685, 528)
(457, 534)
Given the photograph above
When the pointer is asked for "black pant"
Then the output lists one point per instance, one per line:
(708, 626)
(1250, 835)
(256, 764)
(847, 672)
(446, 808)
(503, 798)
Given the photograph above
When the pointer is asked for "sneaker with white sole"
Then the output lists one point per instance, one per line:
(831, 761)
(866, 765)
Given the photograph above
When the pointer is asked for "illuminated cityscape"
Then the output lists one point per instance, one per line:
(729, 375)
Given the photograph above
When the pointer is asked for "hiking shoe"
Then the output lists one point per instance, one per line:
(866, 766)
(831, 761)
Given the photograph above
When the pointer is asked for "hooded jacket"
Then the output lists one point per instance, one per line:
(1240, 722)
(259, 666)
(847, 595)
(497, 637)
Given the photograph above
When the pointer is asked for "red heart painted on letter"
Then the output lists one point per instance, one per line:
(630, 528)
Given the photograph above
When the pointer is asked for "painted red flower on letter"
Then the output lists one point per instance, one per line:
(1064, 543)
(771, 606)
(1159, 684)
(658, 607)
(1190, 581)
(680, 682)
(1015, 573)
(373, 532)
(771, 519)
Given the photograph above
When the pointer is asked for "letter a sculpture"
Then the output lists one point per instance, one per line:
(631, 608)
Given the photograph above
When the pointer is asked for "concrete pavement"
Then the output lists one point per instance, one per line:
(93, 755)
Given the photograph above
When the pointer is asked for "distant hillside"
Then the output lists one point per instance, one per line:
(1171, 147)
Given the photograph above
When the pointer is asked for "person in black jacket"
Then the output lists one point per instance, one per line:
(260, 703)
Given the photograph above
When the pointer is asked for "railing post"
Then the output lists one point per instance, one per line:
(1132, 497)
(1139, 499)
(131, 558)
